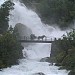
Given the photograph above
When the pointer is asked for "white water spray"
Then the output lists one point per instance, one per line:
(31, 65)
(29, 18)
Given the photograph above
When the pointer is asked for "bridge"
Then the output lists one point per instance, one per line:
(25, 39)
(35, 41)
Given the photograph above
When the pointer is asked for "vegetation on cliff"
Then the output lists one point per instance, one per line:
(60, 12)
(64, 52)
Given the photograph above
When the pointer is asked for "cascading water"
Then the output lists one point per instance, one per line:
(31, 64)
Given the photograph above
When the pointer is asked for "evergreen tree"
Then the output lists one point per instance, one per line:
(4, 15)
(60, 12)
(10, 48)
(65, 51)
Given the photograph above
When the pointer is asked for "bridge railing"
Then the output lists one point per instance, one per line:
(36, 39)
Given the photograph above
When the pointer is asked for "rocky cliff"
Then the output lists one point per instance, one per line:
(22, 30)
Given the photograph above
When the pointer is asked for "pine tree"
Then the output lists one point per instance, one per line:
(4, 15)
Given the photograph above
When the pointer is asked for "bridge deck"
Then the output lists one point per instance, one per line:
(35, 41)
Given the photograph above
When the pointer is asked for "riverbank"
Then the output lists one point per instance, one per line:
(63, 52)
(31, 65)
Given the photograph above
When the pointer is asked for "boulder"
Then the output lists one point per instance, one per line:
(71, 73)
(23, 30)
(40, 73)
(46, 59)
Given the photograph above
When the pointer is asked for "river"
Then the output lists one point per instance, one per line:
(31, 65)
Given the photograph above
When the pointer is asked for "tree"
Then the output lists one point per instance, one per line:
(57, 11)
(5, 9)
(10, 50)
(65, 51)
(60, 12)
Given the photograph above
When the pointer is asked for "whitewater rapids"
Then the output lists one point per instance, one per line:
(33, 53)
(31, 65)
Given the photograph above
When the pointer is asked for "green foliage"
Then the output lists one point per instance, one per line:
(61, 12)
(10, 50)
(60, 57)
(31, 3)
(72, 72)
(69, 62)
(4, 15)
(65, 55)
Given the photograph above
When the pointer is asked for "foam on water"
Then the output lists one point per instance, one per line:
(31, 64)
(38, 51)
(30, 67)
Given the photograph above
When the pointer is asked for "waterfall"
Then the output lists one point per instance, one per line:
(31, 65)
(22, 14)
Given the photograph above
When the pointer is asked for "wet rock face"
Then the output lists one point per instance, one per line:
(55, 50)
(71, 73)
(23, 30)
(40, 73)
(46, 59)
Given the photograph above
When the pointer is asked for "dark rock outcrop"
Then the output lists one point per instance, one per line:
(46, 59)
(22, 32)
(55, 50)
(40, 73)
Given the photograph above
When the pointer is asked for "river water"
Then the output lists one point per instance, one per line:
(31, 65)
